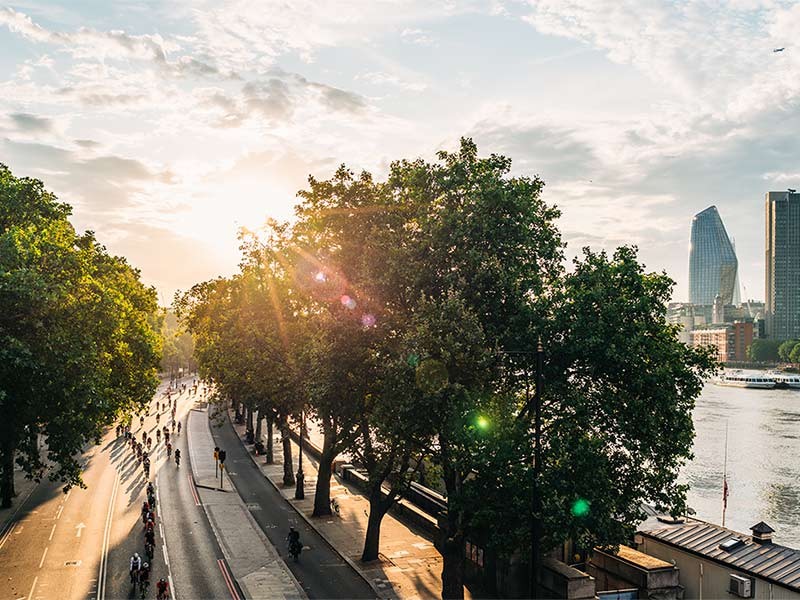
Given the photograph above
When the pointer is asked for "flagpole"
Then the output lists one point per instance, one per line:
(725, 478)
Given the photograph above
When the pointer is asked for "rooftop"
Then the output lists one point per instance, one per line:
(769, 561)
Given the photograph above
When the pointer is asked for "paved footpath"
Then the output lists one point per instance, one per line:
(253, 560)
(409, 567)
(321, 571)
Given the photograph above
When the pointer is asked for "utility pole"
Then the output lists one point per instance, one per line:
(536, 500)
(299, 491)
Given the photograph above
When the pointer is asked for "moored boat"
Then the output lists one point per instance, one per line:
(738, 379)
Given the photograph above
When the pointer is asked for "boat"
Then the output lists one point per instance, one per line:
(739, 379)
(785, 380)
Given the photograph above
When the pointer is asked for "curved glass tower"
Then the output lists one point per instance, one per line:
(712, 261)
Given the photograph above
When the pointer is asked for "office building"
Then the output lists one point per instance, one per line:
(783, 265)
(713, 267)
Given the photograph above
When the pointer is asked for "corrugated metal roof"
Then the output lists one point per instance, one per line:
(773, 562)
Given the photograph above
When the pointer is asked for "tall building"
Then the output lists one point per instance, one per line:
(712, 261)
(783, 265)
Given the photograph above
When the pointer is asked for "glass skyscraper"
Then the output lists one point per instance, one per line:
(783, 265)
(712, 261)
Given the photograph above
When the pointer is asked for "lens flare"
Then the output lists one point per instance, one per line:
(348, 302)
(580, 508)
(368, 320)
(320, 277)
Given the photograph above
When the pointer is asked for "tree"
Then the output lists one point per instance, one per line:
(78, 344)
(785, 350)
(764, 351)
(794, 356)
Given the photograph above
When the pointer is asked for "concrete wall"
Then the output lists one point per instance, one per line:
(704, 579)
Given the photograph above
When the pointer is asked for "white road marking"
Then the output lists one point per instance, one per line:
(101, 577)
(41, 562)
(52, 531)
(164, 545)
(33, 587)
(79, 527)
(4, 539)
(60, 510)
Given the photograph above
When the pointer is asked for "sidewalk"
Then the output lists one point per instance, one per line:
(409, 567)
(253, 560)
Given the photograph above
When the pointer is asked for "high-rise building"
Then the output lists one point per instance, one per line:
(712, 261)
(783, 265)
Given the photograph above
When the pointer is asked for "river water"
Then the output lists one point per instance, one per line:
(763, 459)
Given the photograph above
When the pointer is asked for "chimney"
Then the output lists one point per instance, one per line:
(762, 533)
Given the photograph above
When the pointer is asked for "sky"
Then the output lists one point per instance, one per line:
(169, 125)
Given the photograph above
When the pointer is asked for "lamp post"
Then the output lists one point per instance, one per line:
(299, 492)
(536, 497)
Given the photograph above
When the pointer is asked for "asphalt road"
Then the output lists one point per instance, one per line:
(78, 545)
(321, 571)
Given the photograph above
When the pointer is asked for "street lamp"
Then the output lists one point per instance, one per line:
(299, 492)
(536, 497)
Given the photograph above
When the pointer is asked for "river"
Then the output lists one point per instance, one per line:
(763, 459)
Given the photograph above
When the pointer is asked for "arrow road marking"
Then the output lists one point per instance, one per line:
(79, 527)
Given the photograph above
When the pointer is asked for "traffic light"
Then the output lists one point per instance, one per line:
(222, 456)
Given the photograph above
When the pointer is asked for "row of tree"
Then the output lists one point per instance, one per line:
(79, 343)
(772, 351)
(403, 316)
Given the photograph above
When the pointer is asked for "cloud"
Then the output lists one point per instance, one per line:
(414, 35)
(100, 184)
(31, 123)
(379, 78)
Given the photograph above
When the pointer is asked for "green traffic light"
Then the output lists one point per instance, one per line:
(580, 508)
(482, 422)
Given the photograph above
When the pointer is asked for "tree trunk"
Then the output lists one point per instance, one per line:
(259, 419)
(322, 494)
(270, 445)
(377, 510)
(250, 426)
(286, 440)
(6, 475)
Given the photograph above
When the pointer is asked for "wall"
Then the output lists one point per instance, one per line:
(715, 577)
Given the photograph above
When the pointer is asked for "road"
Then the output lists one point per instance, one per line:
(77, 545)
(321, 571)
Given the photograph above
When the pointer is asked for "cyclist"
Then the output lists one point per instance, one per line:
(158, 417)
(179, 427)
(163, 589)
(136, 564)
(144, 578)
(169, 450)
(145, 508)
(177, 457)
(150, 537)
(158, 436)
(141, 420)
(166, 433)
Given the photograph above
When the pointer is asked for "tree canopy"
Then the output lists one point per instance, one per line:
(415, 305)
(79, 343)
